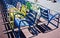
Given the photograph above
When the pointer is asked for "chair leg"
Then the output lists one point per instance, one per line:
(17, 34)
(48, 22)
(36, 31)
(33, 30)
(58, 21)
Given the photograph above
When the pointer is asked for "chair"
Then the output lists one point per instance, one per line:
(8, 5)
(22, 14)
(28, 4)
(29, 20)
(45, 13)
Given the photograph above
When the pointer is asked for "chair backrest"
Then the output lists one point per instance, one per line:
(31, 16)
(5, 2)
(23, 10)
(28, 4)
(44, 13)
(12, 2)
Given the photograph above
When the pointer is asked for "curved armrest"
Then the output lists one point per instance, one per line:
(53, 16)
(23, 20)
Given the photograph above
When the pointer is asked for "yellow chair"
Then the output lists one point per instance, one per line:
(12, 12)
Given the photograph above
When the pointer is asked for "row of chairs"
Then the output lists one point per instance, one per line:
(31, 19)
(45, 13)
(28, 18)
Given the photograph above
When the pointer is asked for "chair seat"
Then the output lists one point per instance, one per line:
(23, 23)
(17, 20)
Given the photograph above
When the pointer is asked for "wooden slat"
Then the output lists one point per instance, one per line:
(16, 29)
(5, 23)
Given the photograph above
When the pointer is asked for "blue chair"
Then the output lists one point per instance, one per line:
(29, 20)
(45, 13)
(6, 4)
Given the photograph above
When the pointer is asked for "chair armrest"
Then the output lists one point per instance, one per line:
(18, 14)
(23, 20)
(53, 16)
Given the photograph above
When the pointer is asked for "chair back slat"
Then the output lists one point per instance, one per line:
(31, 16)
(23, 10)
(44, 13)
